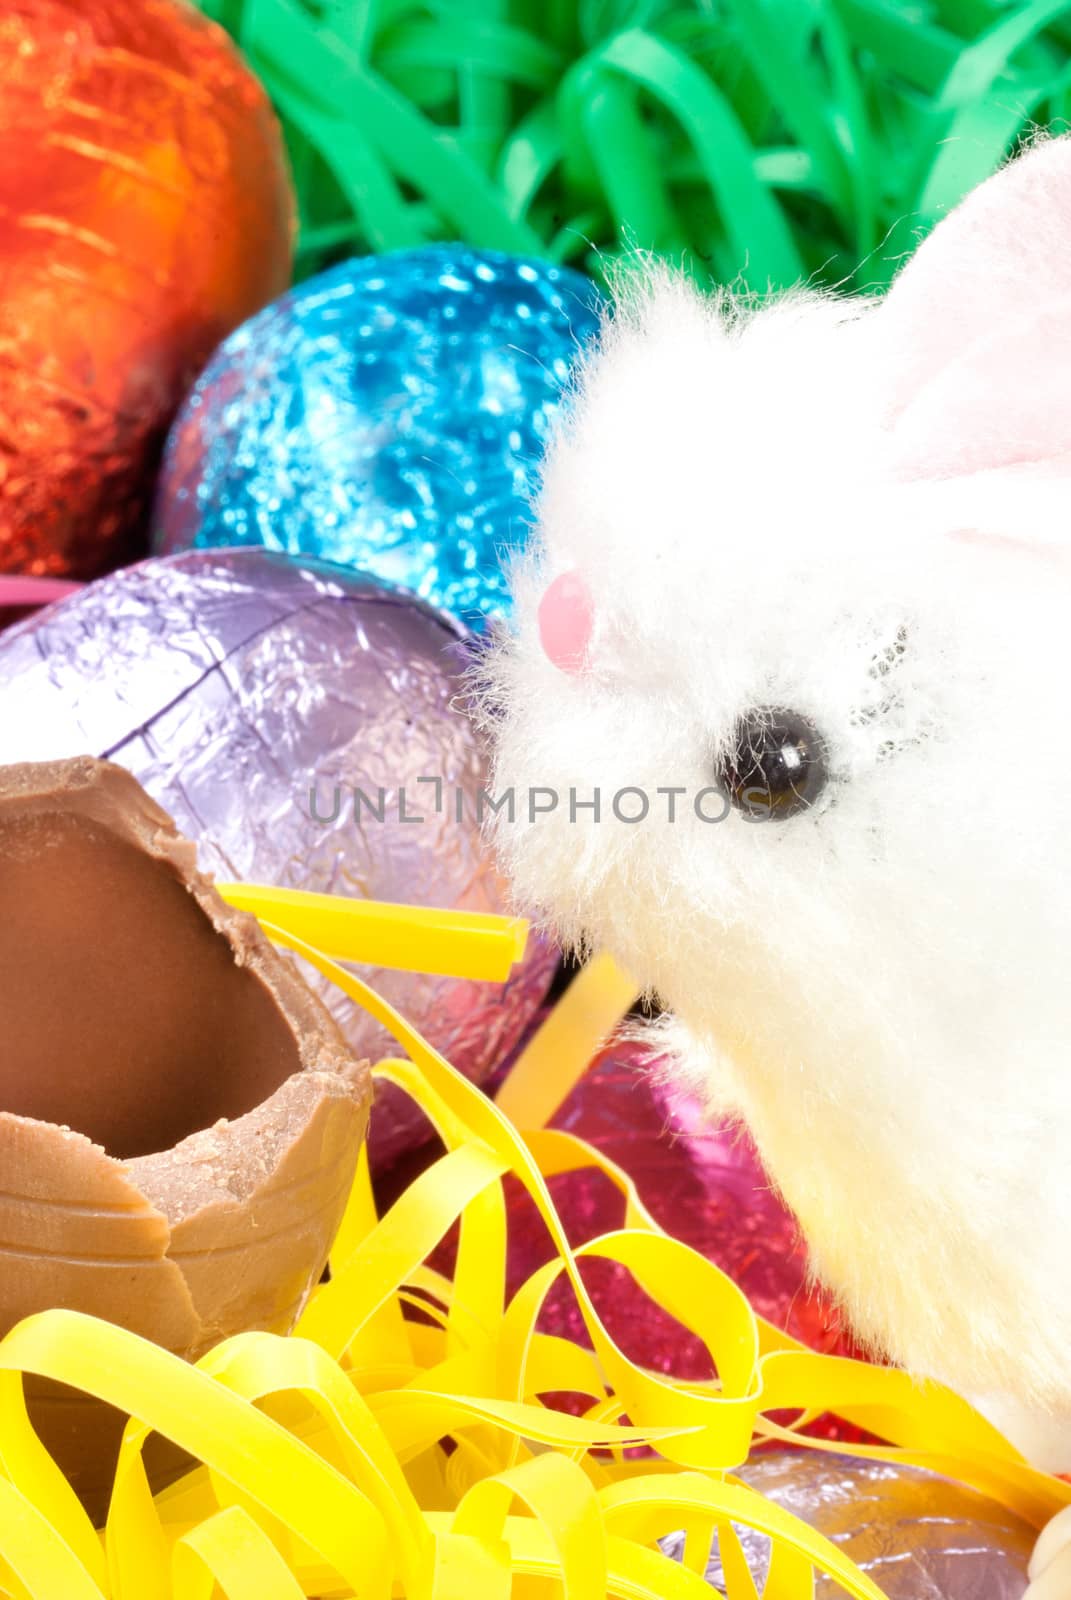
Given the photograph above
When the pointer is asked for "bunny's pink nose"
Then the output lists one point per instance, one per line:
(566, 617)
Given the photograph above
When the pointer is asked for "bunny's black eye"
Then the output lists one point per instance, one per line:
(776, 765)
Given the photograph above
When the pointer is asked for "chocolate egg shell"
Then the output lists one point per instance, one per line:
(180, 1118)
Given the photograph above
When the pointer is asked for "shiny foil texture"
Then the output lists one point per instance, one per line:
(389, 414)
(703, 1183)
(145, 210)
(918, 1536)
(246, 692)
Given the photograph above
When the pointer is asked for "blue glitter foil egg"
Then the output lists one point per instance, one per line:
(388, 415)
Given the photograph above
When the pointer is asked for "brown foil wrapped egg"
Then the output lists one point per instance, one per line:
(145, 210)
(180, 1118)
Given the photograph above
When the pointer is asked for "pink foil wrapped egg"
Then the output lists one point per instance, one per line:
(703, 1183)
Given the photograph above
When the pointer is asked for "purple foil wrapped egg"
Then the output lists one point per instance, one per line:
(278, 709)
(916, 1535)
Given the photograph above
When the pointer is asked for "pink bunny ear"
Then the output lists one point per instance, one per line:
(976, 330)
(1002, 402)
(1002, 254)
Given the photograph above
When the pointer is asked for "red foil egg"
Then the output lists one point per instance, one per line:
(145, 211)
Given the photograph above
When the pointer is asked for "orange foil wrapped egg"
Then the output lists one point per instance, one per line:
(145, 210)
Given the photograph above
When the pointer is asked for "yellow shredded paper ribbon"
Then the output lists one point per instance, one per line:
(374, 1455)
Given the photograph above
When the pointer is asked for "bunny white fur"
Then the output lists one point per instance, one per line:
(859, 511)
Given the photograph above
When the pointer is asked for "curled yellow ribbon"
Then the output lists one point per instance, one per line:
(374, 1455)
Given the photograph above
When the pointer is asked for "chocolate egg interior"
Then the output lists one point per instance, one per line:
(180, 1118)
(127, 1013)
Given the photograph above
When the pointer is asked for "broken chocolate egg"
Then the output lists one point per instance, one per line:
(180, 1117)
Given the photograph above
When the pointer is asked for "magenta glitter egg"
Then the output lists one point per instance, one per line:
(703, 1183)
(295, 721)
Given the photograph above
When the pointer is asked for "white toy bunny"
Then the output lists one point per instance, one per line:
(801, 583)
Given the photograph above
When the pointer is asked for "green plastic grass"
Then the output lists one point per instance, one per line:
(756, 141)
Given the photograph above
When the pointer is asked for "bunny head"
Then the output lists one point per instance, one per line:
(794, 613)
